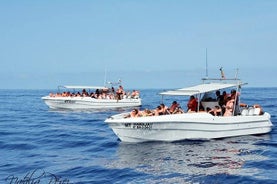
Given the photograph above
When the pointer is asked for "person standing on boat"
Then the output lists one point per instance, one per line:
(120, 92)
(235, 97)
(192, 104)
(220, 98)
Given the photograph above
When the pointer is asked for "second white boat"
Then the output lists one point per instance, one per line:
(194, 125)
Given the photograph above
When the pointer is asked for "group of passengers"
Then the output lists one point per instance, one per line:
(161, 109)
(100, 94)
(226, 106)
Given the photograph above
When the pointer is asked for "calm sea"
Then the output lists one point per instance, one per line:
(39, 145)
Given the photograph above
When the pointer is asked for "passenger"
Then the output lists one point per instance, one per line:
(147, 112)
(219, 98)
(78, 94)
(229, 107)
(125, 95)
(192, 104)
(97, 92)
(112, 96)
(173, 107)
(120, 92)
(135, 94)
(103, 96)
(133, 114)
(235, 97)
(215, 111)
(224, 94)
(178, 110)
(201, 109)
(84, 92)
(158, 111)
(258, 109)
(112, 90)
(233, 94)
(63, 94)
(164, 109)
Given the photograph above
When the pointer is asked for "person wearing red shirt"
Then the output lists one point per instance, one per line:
(192, 104)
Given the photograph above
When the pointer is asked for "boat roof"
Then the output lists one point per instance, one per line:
(83, 87)
(201, 88)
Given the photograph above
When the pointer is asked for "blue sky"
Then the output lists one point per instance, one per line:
(145, 43)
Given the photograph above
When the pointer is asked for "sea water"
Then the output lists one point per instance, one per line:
(40, 145)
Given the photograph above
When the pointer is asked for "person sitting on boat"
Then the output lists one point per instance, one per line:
(258, 109)
(216, 111)
(125, 95)
(201, 109)
(84, 93)
(178, 110)
(164, 109)
(229, 107)
(92, 95)
(133, 114)
(147, 112)
(158, 111)
(111, 90)
(173, 107)
(78, 94)
(192, 104)
(135, 94)
(52, 95)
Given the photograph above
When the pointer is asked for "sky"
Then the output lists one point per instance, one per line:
(145, 43)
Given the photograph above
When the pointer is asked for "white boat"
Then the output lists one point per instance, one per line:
(72, 101)
(197, 125)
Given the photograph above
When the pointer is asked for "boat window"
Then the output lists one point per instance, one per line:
(209, 97)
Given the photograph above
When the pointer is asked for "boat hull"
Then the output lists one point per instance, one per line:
(193, 126)
(88, 103)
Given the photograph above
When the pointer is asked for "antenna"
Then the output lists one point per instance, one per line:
(206, 63)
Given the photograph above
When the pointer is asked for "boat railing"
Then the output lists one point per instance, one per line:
(221, 79)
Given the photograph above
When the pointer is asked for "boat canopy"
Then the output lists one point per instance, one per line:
(84, 87)
(202, 88)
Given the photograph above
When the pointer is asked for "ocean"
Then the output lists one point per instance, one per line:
(40, 145)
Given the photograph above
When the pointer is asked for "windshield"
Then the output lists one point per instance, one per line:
(209, 97)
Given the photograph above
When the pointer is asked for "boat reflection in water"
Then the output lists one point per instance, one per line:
(190, 159)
